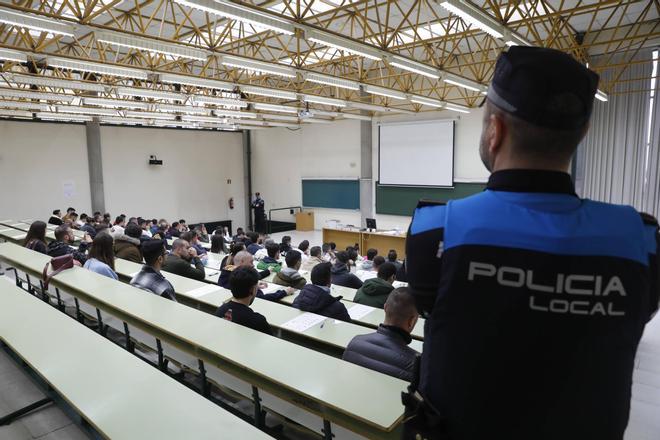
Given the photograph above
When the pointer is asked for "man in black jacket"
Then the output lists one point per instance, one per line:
(387, 350)
(181, 260)
(316, 298)
(341, 274)
(56, 218)
(243, 283)
(62, 245)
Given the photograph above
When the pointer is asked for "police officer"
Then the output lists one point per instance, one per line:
(259, 213)
(535, 299)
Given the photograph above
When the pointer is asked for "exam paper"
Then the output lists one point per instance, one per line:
(303, 322)
(200, 291)
(359, 311)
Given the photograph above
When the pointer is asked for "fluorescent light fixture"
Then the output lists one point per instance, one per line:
(116, 103)
(280, 117)
(103, 69)
(47, 81)
(377, 108)
(274, 108)
(63, 117)
(150, 115)
(473, 16)
(182, 109)
(317, 121)
(172, 78)
(414, 67)
(15, 113)
(234, 114)
(325, 101)
(215, 100)
(456, 108)
(427, 101)
(358, 117)
(272, 93)
(196, 118)
(86, 110)
(153, 94)
(343, 44)
(151, 45)
(461, 84)
(29, 94)
(126, 121)
(382, 91)
(258, 66)
(242, 14)
(332, 81)
(514, 39)
(12, 55)
(36, 23)
(601, 96)
(24, 105)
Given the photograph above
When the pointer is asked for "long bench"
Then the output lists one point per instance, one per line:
(117, 394)
(332, 390)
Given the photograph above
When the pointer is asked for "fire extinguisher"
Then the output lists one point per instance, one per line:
(231, 203)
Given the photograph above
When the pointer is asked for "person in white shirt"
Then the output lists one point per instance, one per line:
(303, 248)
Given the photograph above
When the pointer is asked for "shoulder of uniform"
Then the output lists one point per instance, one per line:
(427, 202)
(427, 216)
(648, 219)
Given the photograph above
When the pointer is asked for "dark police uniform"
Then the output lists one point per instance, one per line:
(259, 215)
(535, 302)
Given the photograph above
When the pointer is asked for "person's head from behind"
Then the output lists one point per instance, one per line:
(273, 250)
(325, 248)
(304, 246)
(175, 225)
(37, 231)
(243, 283)
(286, 240)
(387, 272)
(240, 232)
(142, 223)
(181, 248)
(400, 309)
(537, 110)
(392, 256)
(64, 233)
(154, 253)
(379, 260)
(322, 274)
(182, 222)
(57, 213)
(315, 251)
(132, 220)
(333, 246)
(83, 217)
(253, 236)
(102, 249)
(119, 221)
(189, 236)
(244, 259)
(217, 244)
(342, 257)
(352, 253)
(293, 260)
(371, 254)
(133, 230)
(70, 209)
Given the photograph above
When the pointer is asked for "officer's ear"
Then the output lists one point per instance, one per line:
(495, 133)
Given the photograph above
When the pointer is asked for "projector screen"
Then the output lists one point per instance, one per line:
(416, 154)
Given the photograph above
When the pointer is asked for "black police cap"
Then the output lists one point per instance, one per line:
(544, 87)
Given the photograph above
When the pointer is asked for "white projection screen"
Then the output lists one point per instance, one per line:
(417, 153)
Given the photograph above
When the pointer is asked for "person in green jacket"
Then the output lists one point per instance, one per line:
(271, 262)
(374, 291)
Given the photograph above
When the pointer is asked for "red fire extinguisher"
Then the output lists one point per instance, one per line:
(231, 203)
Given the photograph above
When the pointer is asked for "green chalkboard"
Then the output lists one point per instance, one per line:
(340, 194)
(402, 200)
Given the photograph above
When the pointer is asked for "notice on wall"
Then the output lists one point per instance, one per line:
(69, 189)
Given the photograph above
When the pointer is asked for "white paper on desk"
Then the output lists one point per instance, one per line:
(200, 291)
(213, 264)
(210, 272)
(359, 311)
(303, 322)
(272, 288)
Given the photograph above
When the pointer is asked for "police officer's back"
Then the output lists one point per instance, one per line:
(535, 299)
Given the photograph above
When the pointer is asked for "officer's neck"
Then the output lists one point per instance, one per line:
(509, 160)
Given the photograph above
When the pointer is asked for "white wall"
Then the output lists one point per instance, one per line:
(281, 157)
(36, 160)
(192, 182)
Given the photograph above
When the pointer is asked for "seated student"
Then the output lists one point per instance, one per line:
(193, 239)
(285, 246)
(289, 275)
(271, 262)
(107, 219)
(70, 219)
(81, 221)
(353, 256)
(240, 235)
(254, 244)
(202, 233)
(303, 247)
(183, 227)
(61, 246)
(56, 218)
(263, 252)
(88, 227)
(392, 258)
(127, 245)
(387, 349)
(153, 227)
(368, 263)
(118, 228)
(181, 258)
(144, 225)
(225, 233)
(174, 231)
(328, 255)
(101, 258)
(149, 278)
(245, 259)
(243, 284)
(218, 245)
(316, 298)
(374, 291)
(313, 260)
(341, 274)
(234, 249)
(364, 275)
(36, 237)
